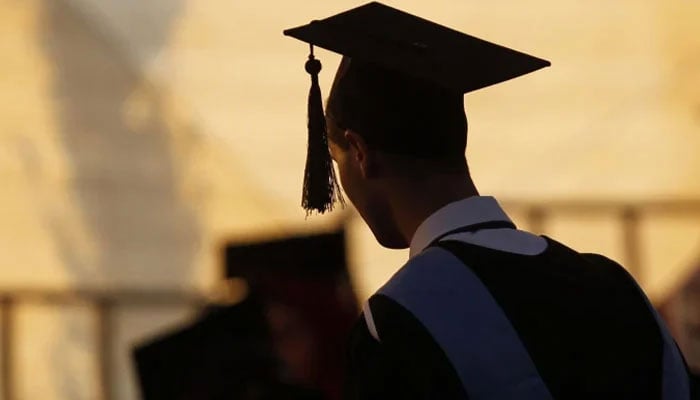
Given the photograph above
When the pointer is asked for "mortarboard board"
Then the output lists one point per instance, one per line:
(386, 41)
(315, 256)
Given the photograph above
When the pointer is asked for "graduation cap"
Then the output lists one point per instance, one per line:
(417, 69)
(310, 256)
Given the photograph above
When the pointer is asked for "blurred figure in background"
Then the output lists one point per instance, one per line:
(481, 310)
(284, 341)
(309, 301)
(225, 354)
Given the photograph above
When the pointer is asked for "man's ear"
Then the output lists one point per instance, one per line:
(360, 153)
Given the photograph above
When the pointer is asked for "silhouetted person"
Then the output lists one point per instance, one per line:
(481, 310)
(285, 341)
(226, 354)
(309, 303)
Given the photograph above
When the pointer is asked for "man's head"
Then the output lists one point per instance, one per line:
(385, 128)
(401, 97)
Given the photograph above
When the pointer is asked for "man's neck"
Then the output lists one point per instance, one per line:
(413, 202)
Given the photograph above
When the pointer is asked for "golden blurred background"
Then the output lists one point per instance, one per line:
(138, 137)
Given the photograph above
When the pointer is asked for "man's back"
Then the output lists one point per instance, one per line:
(466, 320)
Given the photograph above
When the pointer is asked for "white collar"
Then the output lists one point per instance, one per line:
(469, 211)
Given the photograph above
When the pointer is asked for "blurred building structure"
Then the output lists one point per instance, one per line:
(136, 138)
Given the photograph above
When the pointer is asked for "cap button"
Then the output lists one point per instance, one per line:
(313, 66)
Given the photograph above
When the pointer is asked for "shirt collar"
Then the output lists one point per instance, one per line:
(469, 211)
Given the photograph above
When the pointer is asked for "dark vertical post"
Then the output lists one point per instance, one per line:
(7, 324)
(631, 242)
(103, 307)
(536, 216)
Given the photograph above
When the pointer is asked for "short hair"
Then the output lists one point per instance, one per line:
(395, 113)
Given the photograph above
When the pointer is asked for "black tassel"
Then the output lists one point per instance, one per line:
(320, 186)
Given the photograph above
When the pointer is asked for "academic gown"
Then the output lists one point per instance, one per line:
(485, 311)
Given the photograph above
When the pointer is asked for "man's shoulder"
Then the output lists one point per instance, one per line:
(415, 273)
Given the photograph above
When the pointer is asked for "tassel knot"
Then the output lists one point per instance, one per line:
(312, 66)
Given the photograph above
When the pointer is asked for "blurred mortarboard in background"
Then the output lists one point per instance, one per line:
(316, 255)
(384, 43)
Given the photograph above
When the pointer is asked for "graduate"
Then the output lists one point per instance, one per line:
(284, 340)
(482, 309)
